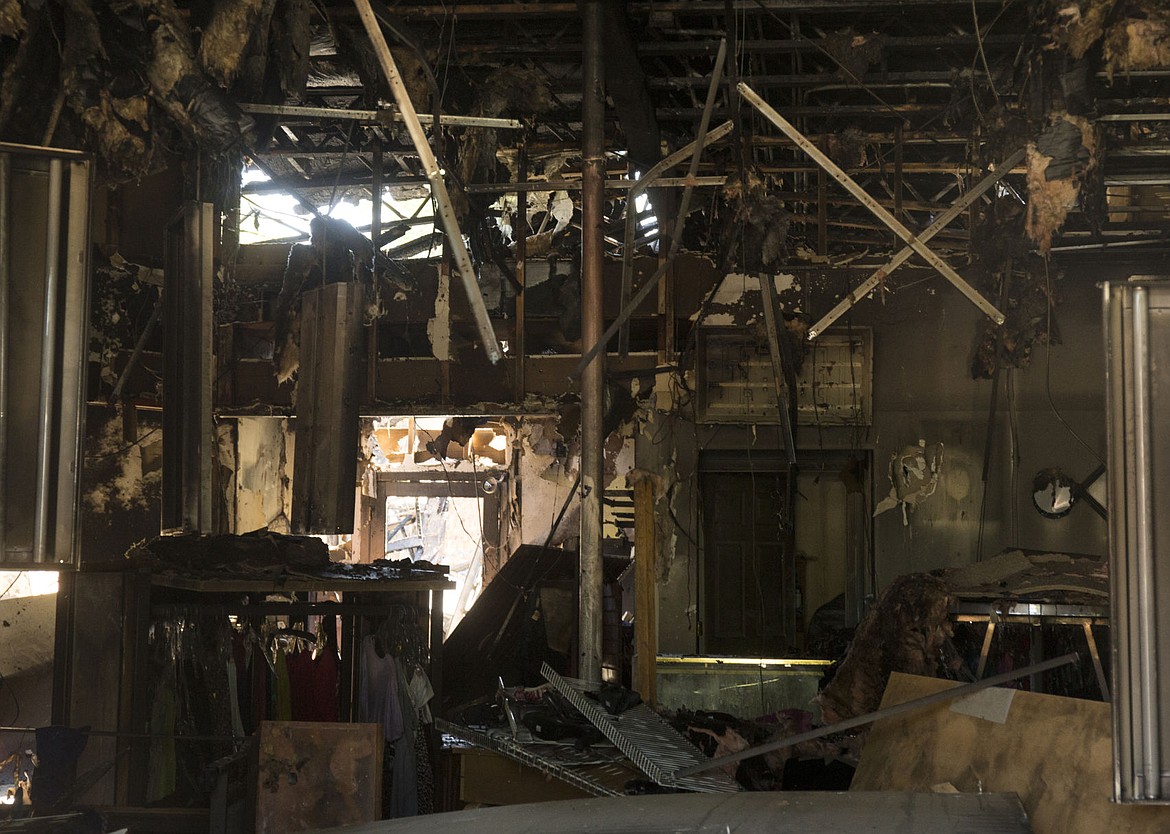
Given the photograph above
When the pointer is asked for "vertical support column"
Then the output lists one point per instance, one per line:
(5, 254)
(188, 437)
(898, 172)
(520, 233)
(74, 348)
(822, 213)
(645, 591)
(1137, 329)
(375, 238)
(436, 647)
(589, 609)
(1144, 551)
(327, 429)
(48, 364)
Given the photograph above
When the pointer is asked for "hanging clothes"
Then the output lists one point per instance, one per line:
(282, 708)
(160, 782)
(234, 698)
(313, 684)
(404, 777)
(378, 700)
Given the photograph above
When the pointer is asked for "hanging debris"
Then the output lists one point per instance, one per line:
(119, 126)
(1011, 345)
(226, 36)
(514, 91)
(12, 23)
(854, 53)
(1078, 24)
(199, 108)
(1139, 42)
(904, 631)
(764, 220)
(291, 36)
(1058, 163)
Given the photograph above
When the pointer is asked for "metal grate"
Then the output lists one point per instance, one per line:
(601, 780)
(651, 744)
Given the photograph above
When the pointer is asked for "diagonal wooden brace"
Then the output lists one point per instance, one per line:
(958, 207)
(870, 203)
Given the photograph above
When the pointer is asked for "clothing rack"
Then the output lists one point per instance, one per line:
(100, 607)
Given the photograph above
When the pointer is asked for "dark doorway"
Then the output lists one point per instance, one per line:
(747, 564)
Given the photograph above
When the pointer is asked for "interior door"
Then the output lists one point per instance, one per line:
(747, 564)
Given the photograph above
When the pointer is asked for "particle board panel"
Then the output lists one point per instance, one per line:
(1054, 752)
(315, 775)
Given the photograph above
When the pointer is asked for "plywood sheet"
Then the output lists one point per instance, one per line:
(1055, 752)
(315, 775)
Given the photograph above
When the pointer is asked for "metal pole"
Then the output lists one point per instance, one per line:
(5, 252)
(589, 611)
(520, 235)
(958, 207)
(1144, 507)
(376, 189)
(435, 176)
(139, 346)
(877, 715)
(1122, 703)
(48, 363)
(875, 208)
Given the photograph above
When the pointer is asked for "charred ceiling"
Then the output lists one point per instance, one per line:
(914, 100)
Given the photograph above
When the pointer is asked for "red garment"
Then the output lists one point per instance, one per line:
(314, 685)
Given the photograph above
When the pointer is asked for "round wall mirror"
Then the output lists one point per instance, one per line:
(1053, 493)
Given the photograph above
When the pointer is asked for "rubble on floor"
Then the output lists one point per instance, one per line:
(904, 631)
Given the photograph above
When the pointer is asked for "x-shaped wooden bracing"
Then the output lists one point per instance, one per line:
(914, 243)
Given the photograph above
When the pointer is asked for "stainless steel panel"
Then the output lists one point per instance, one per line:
(1137, 337)
(44, 226)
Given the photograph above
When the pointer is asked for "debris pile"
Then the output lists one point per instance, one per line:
(904, 631)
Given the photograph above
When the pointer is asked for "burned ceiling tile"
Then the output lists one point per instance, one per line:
(853, 52)
(12, 22)
(1139, 41)
(1058, 162)
(177, 83)
(1078, 24)
(225, 37)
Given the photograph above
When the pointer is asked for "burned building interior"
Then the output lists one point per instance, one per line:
(642, 415)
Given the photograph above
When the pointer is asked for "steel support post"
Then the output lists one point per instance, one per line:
(41, 542)
(5, 254)
(590, 605)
